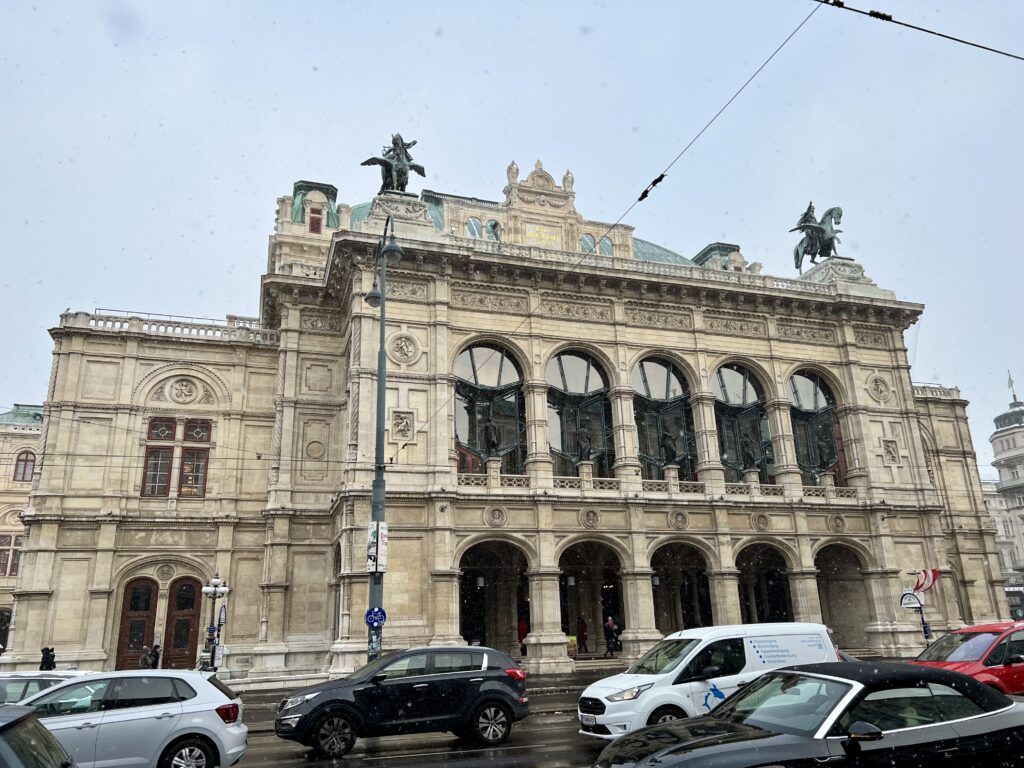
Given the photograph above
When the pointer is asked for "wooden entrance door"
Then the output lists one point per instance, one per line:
(181, 633)
(138, 621)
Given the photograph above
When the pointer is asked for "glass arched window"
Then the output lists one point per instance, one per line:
(664, 419)
(588, 244)
(474, 228)
(579, 414)
(24, 466)
(744, 437)
(605, 247)
(816, 434)
(492, 229)
(490, 411)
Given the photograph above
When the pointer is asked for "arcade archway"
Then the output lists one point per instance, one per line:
(682, 597)
(845, 604)
(763, 585)
(591, 590)
(494, 596)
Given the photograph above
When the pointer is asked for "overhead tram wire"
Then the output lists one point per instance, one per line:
(882, 16)
(643, 196)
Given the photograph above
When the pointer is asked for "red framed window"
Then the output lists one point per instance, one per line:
(197, 431)
(316, 220)
(161, 429)
(10, 554)
(192, 478)
(156, 480)
(24, 466)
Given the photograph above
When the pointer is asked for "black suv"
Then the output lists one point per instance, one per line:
(473, 692)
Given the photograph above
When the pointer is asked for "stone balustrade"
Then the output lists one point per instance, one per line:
(234, 329)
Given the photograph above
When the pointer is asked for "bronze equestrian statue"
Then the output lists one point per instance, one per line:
(395, 163)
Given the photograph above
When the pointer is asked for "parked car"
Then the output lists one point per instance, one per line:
(24, 743)
(840, 714)
(146, 717)
(990, 653)
(473, 692)
(15, 686)
(690, 672)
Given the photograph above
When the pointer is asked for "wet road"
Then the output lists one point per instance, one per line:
(540, 741)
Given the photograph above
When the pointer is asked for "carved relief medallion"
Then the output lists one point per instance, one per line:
(316, 450)
(496, 517)
(403, 425)
(403, 348)
(679, 520)
(837, 523)
(165, 572)
(183, 391)
(759, 521)
(590, 518)
(879, 388)
(890, 452)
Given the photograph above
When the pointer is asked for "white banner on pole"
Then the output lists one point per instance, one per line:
(377, 548)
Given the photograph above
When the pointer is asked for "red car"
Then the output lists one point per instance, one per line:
(990, 653)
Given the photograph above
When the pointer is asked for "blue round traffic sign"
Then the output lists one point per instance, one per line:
(375, 617)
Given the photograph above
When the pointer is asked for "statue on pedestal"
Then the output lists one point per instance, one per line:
(583, 443)
(820, 237)
(395, 163)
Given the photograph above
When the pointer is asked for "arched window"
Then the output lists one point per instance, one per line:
(490, 411)
(605, 247)
(664, 419)
(24, 466)
(588, 244)
(492, 229)
(744, 437)
(579, 414)
(816, 435)
(474, 228)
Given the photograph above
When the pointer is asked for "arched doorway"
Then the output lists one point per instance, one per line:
(494, 596)
(682, 596)
(181, 633)
(591, 589)
(763, 585)
(138, 621)
(845, 604)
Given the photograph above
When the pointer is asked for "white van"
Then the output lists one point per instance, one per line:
(689, 672)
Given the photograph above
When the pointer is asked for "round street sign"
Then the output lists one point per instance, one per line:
(375, 617)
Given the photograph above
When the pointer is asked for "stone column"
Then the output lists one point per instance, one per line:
(670, 473)
(787, 473)
(856, 462)
(725, 596)
(493, 472)
(538, 450)
(586, 473)
(709, 462)
(640, 632)
(627, 462)
(803, 590)
(546, 643)
(445, 613)
(270, 653)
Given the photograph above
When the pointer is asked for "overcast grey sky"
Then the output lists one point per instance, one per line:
(143, 145)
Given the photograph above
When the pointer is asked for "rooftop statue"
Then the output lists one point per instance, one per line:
(820, 237)
(395, 163)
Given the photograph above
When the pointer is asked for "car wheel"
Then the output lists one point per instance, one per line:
(492, 723)
(665, 715)
(192, 752)
(334, 735)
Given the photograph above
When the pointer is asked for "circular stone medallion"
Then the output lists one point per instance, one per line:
(679, 520)
(759, 521)
(837, 523)
(183, 391)
(165, 572)
(496, 517)
(590, 518)
(316, 449)
(403, 348)
(879, 388)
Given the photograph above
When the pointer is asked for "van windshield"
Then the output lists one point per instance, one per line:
(662, 657)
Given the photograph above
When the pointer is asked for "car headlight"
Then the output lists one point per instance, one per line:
(630, 693)
(294, 701)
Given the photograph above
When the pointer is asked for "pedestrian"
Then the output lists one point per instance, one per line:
(522, 628)
(49, 660)
(146, 659)
(581, 635)
(155, 657)
(610, 638)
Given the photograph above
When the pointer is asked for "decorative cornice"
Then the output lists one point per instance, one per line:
(736, 325)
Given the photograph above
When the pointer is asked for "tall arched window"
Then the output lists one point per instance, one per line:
(588, 244)
(24, 466)
(816, 434)
(664, 419)
(744, 436)
(490, 411)
(605, 247)
(579, 414)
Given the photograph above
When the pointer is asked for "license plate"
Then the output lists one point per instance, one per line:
(588, 719)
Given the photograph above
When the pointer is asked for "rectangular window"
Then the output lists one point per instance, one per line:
(1015, 472)
(197, 431)
(161, 429)
(316, 220)
(192, 480)
(156, 480)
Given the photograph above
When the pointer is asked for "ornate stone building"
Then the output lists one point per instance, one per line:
(580, 423)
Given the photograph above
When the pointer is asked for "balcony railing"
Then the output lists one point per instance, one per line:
(233, 329)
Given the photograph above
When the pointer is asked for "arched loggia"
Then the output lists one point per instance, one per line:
(763, 585)
(494, 596)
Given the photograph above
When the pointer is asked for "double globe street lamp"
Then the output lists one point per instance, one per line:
(388, 253)
(215, 589)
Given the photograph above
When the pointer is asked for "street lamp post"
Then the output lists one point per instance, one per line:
(215, 589)
(387, 250)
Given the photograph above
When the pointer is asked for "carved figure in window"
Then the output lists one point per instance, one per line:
(816, 434)
(744, 436)
(664, 419)
(579, 415)
(490, 410)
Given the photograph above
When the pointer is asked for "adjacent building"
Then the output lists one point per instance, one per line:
(1008, 451)
(579, 424)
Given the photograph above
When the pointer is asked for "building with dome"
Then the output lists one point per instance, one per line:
(579, 424)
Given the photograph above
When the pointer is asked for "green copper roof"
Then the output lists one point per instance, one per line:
(646, 251)
(23, 414)
(360, 212)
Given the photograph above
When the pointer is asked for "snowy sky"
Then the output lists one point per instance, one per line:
(143, 145)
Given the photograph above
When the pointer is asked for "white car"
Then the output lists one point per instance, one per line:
(15, 686)
(147, 718)
(689, 672)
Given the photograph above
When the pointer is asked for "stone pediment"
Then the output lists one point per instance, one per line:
(539, 191)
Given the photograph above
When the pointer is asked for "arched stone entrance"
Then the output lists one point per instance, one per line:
(494, 596)
(682, 596)
(182, 629)
(845, 602)
(763, 585)
(591, 588)
(138, 621)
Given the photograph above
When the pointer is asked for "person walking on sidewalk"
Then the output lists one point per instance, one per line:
(581, 635)
(49, 659)
(146, 659)
(610, 628)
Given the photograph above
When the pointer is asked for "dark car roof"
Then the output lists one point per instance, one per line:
(881, 675)
(12, 713)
